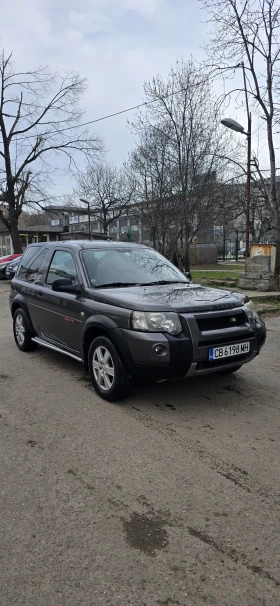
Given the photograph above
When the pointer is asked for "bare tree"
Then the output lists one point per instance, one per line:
(109, 191)
(157, 206)
(39, 122)
(248, 30)
(189, 152)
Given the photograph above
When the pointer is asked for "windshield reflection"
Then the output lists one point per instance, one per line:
(129, 266)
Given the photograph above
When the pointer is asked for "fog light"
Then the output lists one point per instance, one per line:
(159, 349)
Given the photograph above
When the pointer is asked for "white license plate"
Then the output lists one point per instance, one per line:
(237, 349)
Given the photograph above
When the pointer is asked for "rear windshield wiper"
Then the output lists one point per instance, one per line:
(116, 284)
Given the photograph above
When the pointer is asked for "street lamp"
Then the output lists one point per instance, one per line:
(88, 205)
(233, 125)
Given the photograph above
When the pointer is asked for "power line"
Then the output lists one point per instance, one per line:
(123, 111)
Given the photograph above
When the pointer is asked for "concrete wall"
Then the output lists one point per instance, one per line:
(258, 275)
(201, 254)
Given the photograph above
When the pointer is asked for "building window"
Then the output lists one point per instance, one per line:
(123, 223)
(5, 246)
(218, 231)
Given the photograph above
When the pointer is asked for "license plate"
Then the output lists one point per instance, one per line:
(237, 349)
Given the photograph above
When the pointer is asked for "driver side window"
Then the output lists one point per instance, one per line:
(62, 266)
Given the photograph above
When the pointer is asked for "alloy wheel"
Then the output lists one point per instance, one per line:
(20, 329)
(103, 368)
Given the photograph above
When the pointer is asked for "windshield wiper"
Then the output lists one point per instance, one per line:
(164, 282)
(116, 284)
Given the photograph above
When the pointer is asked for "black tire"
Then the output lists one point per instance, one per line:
(229, 371)
(116, 383)
(24, 341)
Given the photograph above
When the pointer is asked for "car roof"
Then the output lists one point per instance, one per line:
(85, 244)
(37, 244)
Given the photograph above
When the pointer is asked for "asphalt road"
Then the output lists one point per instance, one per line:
(171, 497)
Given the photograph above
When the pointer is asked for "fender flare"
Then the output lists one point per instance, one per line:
(19, 301)
(114, 332)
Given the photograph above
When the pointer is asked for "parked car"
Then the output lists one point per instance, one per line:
(123, 310)
(241, 252)
(5, 261)
(12, 268)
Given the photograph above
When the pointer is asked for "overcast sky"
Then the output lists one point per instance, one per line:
(115, 44)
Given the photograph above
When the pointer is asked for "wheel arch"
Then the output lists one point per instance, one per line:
(101, 326)
(19, 303)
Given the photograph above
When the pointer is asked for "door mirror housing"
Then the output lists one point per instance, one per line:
(188, 275)
(66, 285)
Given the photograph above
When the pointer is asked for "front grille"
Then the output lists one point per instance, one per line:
(226, 340)
(220, 322)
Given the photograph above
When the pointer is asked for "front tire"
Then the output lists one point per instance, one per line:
(109, 376)
(22, 332)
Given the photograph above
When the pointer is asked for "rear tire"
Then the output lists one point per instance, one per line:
(109, 377)
(229, 371)
(22, 333)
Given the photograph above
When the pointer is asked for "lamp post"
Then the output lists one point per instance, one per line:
(88, 205)
(233, 125)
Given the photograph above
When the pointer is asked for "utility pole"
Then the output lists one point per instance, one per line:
(248, 187)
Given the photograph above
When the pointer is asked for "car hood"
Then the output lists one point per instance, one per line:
(180, 298)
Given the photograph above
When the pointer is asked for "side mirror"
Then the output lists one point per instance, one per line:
(66, 285)
(188, 275)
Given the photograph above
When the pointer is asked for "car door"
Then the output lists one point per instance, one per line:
(59, 314)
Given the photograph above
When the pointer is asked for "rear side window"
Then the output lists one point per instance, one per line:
(62, 266)
(33, 272)
(30, 252)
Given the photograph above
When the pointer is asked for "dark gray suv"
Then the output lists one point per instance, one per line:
(123, 310)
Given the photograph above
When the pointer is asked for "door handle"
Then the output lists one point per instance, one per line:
(40, 293)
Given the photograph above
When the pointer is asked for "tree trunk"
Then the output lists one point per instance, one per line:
(275, 207)
(277, 244)
(15, 234)
(186, 262)
(179, 260)
(187, 265)
(105, 227)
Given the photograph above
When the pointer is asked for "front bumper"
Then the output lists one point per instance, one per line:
(188, 354)
(145, 363)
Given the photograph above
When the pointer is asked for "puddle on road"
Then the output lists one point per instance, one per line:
(146, 533)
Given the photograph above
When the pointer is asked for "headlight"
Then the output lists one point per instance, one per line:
(251, 310)
(157, 322)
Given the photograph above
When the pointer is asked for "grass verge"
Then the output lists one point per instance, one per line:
(219, 267)
(267, 307)
(202, 276)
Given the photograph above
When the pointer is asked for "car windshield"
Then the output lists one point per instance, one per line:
(134, 266)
